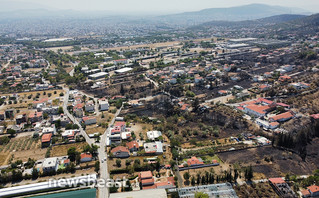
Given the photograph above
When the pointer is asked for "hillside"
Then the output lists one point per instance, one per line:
(240, 13)
(268, 21)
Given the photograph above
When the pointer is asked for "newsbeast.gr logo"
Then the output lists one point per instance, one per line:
(87, 181)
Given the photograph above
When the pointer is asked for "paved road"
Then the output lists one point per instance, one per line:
(72, 71)
(73, 119)
(104, 174)
(7, 64)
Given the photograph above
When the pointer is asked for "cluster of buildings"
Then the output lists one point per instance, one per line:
(120, 132)
(266, 112)
(147, 181)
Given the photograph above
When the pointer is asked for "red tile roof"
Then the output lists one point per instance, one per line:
(277, 180)
(46, 137)
(86, 155)
(313, 188)
(132, 144)
(35, 114)
(119, 148)
(145, 174)
(315, 116)
(258, 108)
(194, 161)
(149, 187)
(285, 115)
(120, 124)
(305, 192)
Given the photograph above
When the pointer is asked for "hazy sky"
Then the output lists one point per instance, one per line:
(166, 5)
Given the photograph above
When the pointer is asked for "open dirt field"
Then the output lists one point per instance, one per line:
(62, 150)
(283, 162)
(22, 148)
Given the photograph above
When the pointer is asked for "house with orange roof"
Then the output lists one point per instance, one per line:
(282, 117)
(120, 152)
(264, 87)
(133, 146)
(46, 140)
(281, 187)
(78, 110)
(121, 125)
(194, 161)
(170, 183)
(222, 92)
(35, 117)
(284, 78)
(312, 191)
(146, 180)
(86, 157)
(185, 107)
(89, 120)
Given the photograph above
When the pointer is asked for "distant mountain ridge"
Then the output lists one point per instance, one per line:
(239, 13)
(277, 19)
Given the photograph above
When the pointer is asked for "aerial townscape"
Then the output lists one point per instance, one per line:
(219, 103)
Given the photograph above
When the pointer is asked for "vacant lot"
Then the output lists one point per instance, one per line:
(62, 150)
(269, 161)
(259, 190)
(22, 148)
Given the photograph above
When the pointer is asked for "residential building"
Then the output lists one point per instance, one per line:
(120, 152)
(35, 117)
(282, 117)
(2, 115)
(89, 120)
(146, 179)
(50, 164)
(70, 134)
(281, 187)
(132, 146)
(46, 140)
(21, 118)
(104, 104)
(89, 106)
(153, 148)
(51, 130)
(152, 135)
(85, 157)
(194, 161)
(311, 191)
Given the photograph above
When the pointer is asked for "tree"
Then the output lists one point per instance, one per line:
(193, 181)
(201, 195)
(186, 177)
(196, 104)
(118, 163)
(97, 166)
(35, 173)
(128, 186)
(73, 154)
(60, 110)
(11, 132)
(122, 90)
(249, 173)
(113, 189)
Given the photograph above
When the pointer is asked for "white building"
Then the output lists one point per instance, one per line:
(153, 148)
(89, 106)
(50, 164)
(152, 135)
(104, 104)
(51, 129)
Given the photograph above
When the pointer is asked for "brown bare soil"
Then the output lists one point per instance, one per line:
(62, 150)
(283, 162)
